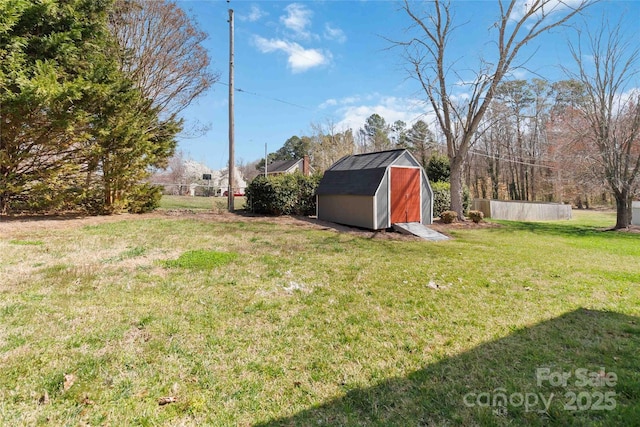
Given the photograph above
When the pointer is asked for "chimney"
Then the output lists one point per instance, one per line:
(306, 170)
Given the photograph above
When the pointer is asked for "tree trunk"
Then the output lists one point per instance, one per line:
(4, 205)
(495, 188)
(4, 190)
(456, 186)
(623, 209)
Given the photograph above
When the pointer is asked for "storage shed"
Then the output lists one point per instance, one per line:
(635, 213)
(375, 190)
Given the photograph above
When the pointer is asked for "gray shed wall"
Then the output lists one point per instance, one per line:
(404, 160)
(382, 203)
(522, 211)
(635, 213)
(347, 209)
(427, 201)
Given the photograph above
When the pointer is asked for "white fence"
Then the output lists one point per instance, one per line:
(513, 210)
(180, 189)
(635, 213)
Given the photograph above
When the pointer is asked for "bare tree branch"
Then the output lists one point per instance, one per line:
(427, 53)
(612, 109)
(161, 50)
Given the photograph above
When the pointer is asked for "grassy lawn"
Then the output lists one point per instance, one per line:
(199, 203)
(254, 323)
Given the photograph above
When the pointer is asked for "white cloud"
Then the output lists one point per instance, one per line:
(459, 98)
(334, 33)
(519, 74)
(297, 19)
(627, 99)
(332, 102)
(328, 103)
(549, 6)
(391, 108)
(300, 59)
(255, 14)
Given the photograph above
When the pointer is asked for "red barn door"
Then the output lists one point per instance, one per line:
(405, 195)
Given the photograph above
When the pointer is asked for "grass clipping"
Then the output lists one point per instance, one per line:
(201, 260)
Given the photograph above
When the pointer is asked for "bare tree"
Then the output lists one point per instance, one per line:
(248, 170)
(161, 50)
(495, 134)
(571, 177)
(330, 144)
(518, 24)
(611, 109)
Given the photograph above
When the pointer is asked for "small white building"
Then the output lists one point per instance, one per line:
(635, 213)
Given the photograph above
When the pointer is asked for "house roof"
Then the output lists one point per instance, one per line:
(282, 165)
(359, 174)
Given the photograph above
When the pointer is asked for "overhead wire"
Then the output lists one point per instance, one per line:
(481, 154)
(268, 97)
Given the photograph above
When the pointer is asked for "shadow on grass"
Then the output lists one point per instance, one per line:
(562, 229)
(42, 217)
(468, 389)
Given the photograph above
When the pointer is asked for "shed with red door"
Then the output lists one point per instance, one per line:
(375, 190)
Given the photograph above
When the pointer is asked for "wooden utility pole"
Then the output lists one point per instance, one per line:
(232, 162)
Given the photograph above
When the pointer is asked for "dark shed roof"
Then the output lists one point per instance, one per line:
(359, 174)
(381, 159)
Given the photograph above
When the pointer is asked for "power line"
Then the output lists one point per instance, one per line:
(479, 153)
(268, 97)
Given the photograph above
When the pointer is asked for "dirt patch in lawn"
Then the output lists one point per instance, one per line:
(441, 227)
(308, 223)
(629, 229)
(17, 225)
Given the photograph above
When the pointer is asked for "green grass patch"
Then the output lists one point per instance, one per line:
(216, 204)
(261, 324)
(26, 242)
(129, 253)
(201, 260)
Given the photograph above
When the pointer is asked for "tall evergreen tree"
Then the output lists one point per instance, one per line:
(46, 51)
(76, 129)
(375, 133)
(421, 142)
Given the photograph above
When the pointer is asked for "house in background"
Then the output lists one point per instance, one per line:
(375, 191)
(635, 213)
(280, 167)
(196, 179)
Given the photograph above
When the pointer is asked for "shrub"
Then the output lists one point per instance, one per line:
(143, 198)
(442, 197)
(438, 168)
(288, 194)
(91, 200)
(476, 216)
(448, 216)
(55, 195)
(50, 195)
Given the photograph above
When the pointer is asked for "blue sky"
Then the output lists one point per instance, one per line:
(307, 62)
